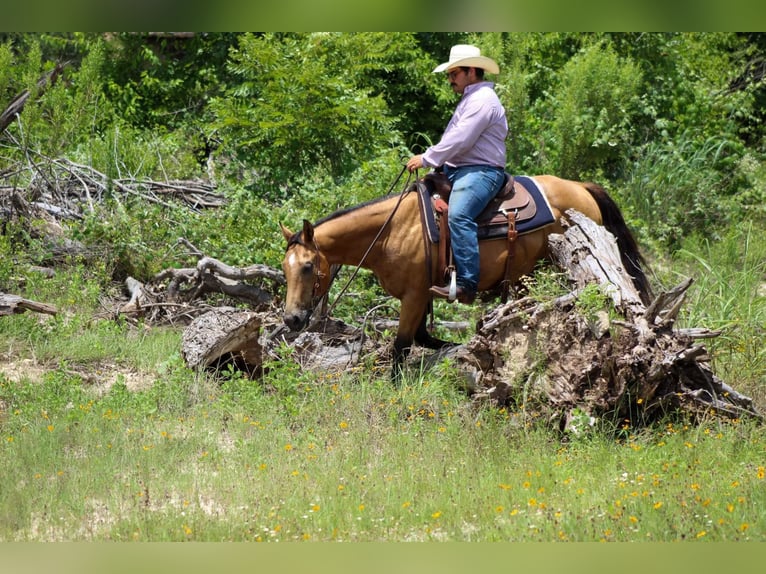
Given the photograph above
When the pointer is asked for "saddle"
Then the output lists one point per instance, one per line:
(512, 197)
(511, 206)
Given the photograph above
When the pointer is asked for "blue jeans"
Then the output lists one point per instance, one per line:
(472, 189)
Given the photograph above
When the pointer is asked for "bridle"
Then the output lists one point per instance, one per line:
(316, 294)
(316, 290)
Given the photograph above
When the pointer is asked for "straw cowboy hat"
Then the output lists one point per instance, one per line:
(469, 56)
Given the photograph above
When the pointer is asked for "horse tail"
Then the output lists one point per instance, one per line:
(614, 222)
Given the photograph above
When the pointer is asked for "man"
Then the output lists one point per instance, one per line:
(472, 155)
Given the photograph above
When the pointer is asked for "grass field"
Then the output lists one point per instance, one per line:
(352, 459)
(106, 435)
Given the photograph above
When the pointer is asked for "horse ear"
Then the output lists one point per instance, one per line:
(286, 233)
(308, 231)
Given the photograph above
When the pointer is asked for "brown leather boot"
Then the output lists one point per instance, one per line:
(463, 296)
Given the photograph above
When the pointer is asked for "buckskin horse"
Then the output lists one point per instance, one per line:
(386, 236)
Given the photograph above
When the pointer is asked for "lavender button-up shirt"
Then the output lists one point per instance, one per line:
(476, 133)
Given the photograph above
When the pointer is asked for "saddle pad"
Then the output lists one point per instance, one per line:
(542, 217)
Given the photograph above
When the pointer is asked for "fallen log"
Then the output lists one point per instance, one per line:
(224, 335)
(13, 305)
(249, 341)
(622, 362)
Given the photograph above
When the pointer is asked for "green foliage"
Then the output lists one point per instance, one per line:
(684, 182)
(590, 300)
(68, 112)
(729, 296)
(591, 112)
(132, 238)
(301, 105)
(166, 80)
(8, 72)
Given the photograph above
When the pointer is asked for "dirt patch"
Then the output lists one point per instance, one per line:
(100, 378)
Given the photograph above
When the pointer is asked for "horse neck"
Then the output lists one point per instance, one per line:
(346, 239)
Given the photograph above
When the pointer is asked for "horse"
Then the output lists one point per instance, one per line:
(385, 235)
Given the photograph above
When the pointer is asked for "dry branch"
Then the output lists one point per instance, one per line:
(13, 304)
(17, 105)
(178, 294)
(67, 188)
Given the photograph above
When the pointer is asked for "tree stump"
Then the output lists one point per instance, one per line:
(222, 336)
(248, 340)
(628, 364)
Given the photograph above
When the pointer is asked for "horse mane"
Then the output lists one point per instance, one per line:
(297, 237)
(632, 258)
(345, 210)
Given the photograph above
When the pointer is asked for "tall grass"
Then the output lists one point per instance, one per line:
(729, 295)
(681, 180)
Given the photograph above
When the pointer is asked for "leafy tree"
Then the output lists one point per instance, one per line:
(592, 110)
(166, 79)
(304, 102)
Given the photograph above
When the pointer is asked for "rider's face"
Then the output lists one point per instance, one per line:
(460, 78)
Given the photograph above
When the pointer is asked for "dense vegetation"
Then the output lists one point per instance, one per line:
(673, 122)
(294, 125)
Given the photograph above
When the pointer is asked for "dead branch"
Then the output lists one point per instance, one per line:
(70, 188)
(13, 305)
(173, 294)
(17, 105)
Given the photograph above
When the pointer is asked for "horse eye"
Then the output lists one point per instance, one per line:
(308, 268)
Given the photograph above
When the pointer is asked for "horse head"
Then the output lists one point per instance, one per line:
(307, 273)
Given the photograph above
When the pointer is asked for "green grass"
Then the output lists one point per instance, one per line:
(352, 459)
(729, 295)
(86, 453)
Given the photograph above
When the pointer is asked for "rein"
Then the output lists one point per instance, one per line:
(402, 194)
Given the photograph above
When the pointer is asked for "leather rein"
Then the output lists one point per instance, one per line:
(317, 295)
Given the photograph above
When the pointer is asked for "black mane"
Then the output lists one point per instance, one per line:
(345, 210)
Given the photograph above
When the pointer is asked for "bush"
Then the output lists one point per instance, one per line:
(591, 113)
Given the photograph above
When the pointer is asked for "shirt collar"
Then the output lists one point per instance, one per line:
(472, 87)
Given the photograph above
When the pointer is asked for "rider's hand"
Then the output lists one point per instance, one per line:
(415, 162)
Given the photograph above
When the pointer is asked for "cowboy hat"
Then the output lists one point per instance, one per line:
(465, 55)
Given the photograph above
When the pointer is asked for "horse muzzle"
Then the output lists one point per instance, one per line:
(297, 321)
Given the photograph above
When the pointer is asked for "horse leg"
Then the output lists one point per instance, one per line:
(402, 347)
(425, 339)
(412, 316)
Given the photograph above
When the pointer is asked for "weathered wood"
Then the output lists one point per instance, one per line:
(221, 335)
(13, 304)
(248, 339)
(257, 271)
(589, 253)
(550, 360)
(178, 294)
